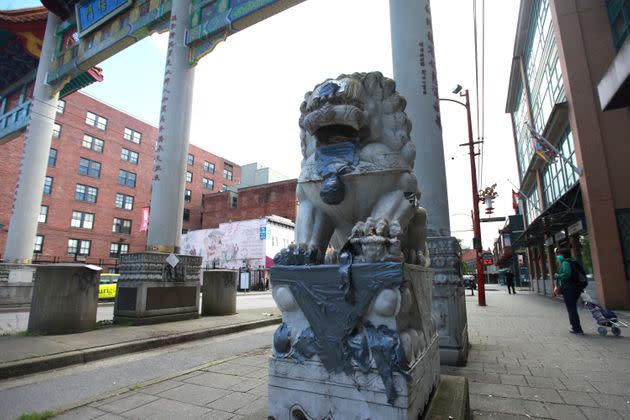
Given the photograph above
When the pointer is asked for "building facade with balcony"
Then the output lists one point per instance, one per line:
(580, 199)
(99, 181)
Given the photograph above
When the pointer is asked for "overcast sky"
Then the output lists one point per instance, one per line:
(248, 91)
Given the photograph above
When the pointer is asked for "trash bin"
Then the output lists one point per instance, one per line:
(219, 292)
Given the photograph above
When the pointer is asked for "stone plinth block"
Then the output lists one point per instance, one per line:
(219, 292)
(65, 298)
(16, 284)
(355, 342)
(449, 300)
(155, 287)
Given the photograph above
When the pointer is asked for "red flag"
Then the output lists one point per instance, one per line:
(144, 225)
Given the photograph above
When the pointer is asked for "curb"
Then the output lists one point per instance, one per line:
(44, 363)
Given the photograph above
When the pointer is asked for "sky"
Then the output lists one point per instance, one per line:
(248, 90)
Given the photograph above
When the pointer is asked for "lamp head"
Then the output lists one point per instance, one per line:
(457, 89)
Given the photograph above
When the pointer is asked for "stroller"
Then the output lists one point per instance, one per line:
(605, 318)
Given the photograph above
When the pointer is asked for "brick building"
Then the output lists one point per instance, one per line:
(99, 180)
(276, 198)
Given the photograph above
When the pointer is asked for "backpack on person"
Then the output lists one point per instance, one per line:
(578, 276)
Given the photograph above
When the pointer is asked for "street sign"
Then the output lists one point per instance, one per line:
(263, 232)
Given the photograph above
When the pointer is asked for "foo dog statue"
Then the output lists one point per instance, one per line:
(356, 174)
(357, 338)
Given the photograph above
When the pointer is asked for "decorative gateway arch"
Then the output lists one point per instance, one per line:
(159, 285)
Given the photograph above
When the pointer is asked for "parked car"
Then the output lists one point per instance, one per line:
(470, 281)
(107, 286)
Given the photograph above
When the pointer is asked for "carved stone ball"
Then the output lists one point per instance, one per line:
(386, 302)
(405, 300)
(284, 299)
(415, 340)
(408, 348)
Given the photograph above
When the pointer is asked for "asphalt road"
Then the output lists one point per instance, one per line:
(63, 387)
(13, 322)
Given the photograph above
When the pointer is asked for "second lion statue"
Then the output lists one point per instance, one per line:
(356, 189)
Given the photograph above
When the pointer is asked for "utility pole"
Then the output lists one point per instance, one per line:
(481, 294)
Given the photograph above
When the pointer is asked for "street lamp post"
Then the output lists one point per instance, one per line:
(481, 295)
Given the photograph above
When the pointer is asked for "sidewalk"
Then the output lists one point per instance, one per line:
(523, 364)
(23, 354)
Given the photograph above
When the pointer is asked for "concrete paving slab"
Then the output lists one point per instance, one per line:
(120, 404)
(559, 376)
(166, 409)
(194, 394)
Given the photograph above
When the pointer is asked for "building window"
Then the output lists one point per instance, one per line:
(92, 143)
(56, 130)
(188, 176)
(39, 244)
(124, 201)
(191, 159)
(127, 178)
(52, 157)
(61, 106)
(619, 17)
(89, 167)
(208, 167)
(79, 247)
(227, 171)
(223, 188)
(208, 183)
(184, 231)
(132, 135)
(48, 183)
(82, 220)
(117, 248)
(558, 176)
(85, 193)
(234, 202)
(187, 196)
(121, 225)
(96, 121)
(186, 215)
(43, 214)
(129, 156)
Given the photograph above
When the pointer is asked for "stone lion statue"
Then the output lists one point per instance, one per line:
(356, 189)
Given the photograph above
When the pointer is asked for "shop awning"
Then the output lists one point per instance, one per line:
(565, 211)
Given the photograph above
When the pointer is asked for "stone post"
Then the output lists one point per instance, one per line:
(16, 277)
(415, 74)
(169, 170)
(157, 285)
(28, 193)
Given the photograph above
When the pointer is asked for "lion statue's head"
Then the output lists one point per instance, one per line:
(361, 108)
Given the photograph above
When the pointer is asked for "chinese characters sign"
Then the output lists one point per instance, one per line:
(93, 13)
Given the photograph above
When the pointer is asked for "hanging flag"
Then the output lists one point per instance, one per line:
(548, 152)
(542, 147)
(144, 225)
(515, 201)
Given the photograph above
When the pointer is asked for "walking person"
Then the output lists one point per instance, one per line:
(567, 285)
(509, 281)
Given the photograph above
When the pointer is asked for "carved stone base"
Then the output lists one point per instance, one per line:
(356, 342)
(151, 290)
(449, 300)
(308, 388)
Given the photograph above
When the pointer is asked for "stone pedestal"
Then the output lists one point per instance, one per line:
(65, 299)
(449, 300)
(355, 342)
(16, 284)
(219, 292)
(152, 290)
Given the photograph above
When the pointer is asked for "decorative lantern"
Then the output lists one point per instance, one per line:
(487, 195)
